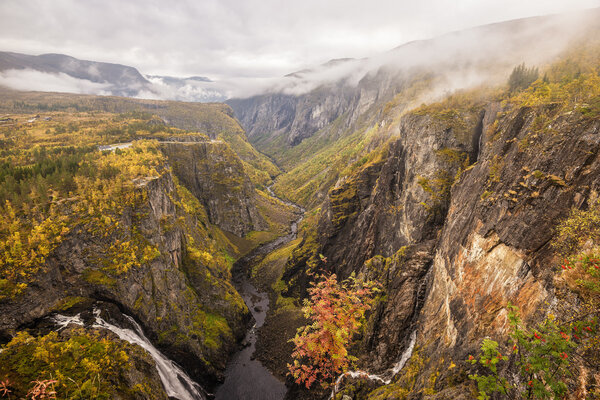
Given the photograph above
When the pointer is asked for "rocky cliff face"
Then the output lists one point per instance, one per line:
(454, 243)
(289, 119)
(184, 301)
(215, 175)
(494, 247)
(397, 198)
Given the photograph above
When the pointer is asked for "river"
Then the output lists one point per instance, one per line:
(245, 377)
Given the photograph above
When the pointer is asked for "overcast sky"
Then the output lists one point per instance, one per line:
(225, 39)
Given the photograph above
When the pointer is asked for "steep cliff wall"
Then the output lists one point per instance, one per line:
(398, 197)
(215, 175)
(454, 241)
(184, 301)
(494, 247)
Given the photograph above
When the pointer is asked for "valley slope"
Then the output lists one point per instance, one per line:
(106, 205)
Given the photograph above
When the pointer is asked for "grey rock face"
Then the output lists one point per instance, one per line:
(449, 273)
(293, 118)
(215, 175)
(160, 295)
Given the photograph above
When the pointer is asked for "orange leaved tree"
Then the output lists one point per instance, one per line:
(336, 311)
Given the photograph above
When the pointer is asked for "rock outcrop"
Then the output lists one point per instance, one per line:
(185, 304)
(454, 243)
(215, 175)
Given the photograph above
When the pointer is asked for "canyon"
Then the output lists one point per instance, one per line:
(179, 240)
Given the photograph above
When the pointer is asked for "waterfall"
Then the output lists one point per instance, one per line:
(479, 146)
(387, 376)
(405, 356)
(176, 382)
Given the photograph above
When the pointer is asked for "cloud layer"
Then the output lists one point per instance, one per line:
(27, 80)
(236, 39)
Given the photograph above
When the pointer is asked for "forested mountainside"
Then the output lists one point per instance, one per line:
(122, 209)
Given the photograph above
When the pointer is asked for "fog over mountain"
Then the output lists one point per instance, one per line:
(245, 48)
(62, 73)
(464, 53)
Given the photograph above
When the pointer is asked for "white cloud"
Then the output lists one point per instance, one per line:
(186, 90)
(30, 80)
(226, 39)
(459, 60)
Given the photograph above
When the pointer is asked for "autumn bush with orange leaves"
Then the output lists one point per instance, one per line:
(336, 311)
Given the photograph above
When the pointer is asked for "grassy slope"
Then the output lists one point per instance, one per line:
(212, 119)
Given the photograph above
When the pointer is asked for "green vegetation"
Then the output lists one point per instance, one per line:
(580, 227)
(154, 118)
(83, 364)
(93, 195)
(577, 241)
(546, 358)
(521, 77)
(571, 84)
(321, 170)
(438, 187)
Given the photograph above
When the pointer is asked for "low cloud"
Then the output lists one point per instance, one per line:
(167, 88)
(459, 60)
(31, 80)
(231, 39)
(159, 88)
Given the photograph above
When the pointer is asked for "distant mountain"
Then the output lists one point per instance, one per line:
(119, 79)
(63, 73)
(336, 97)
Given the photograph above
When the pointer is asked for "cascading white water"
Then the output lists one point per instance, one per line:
(405, 356)
(480, 145)
(387, 376)
(176, 382)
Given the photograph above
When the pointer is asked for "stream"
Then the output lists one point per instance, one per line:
(245, 377)
(387, 376)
